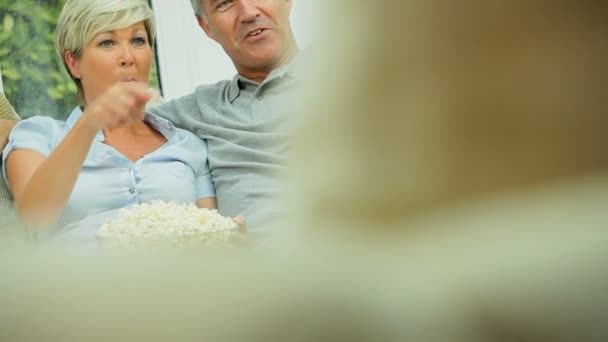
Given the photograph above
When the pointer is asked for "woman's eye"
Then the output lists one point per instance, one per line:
(106, 43)
(139, 41)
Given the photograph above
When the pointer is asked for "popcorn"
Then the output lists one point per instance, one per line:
(160, 221)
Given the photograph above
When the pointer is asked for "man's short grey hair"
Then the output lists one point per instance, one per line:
(81, 20)
(197, 6)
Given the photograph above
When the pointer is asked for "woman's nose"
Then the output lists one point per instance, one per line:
(126, 56)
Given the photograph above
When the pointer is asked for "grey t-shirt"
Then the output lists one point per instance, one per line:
(247, 129)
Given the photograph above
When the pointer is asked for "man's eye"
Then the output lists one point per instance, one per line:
(106, 43)
(139, 41)
(223, 4)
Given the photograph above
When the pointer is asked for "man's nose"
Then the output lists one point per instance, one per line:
(249, 10)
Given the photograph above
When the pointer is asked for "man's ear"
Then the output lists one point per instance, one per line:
(289, 5)
(205, 26)
(72, 63)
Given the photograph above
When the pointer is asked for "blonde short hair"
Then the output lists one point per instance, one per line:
(81, 20)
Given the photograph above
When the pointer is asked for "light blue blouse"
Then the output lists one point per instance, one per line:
(178, 171)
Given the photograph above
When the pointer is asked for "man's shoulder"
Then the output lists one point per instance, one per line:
(183, 109)
(204, 91)
(211, 89)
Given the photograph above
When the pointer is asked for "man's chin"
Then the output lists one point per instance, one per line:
(261, 58)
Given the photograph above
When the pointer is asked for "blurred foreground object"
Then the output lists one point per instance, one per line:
(436, 104)
(470, 289)
(472, 135)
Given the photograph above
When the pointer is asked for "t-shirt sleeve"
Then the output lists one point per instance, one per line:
(203, 181)
(204, 184)
(179, 111)
(35, 134)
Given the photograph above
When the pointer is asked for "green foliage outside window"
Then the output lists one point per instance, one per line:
(35, 80)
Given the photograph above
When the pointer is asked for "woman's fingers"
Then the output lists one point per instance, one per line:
(120, 105)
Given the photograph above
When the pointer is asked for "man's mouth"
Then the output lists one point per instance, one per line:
(129, 79)
(256, 32)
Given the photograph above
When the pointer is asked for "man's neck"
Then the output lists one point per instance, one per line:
(259, 75)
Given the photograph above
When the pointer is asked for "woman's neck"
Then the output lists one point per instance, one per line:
(135, 128)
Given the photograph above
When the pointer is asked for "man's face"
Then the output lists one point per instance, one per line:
(256, 34)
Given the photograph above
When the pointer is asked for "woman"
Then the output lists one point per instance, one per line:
(108, 154)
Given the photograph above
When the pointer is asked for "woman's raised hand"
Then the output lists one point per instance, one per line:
(120, 105)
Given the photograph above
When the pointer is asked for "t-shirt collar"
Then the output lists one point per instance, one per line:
(239, 82)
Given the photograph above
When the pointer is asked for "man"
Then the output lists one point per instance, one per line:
(243, 120)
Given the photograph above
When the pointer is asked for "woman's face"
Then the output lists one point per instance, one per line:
(122, 55)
